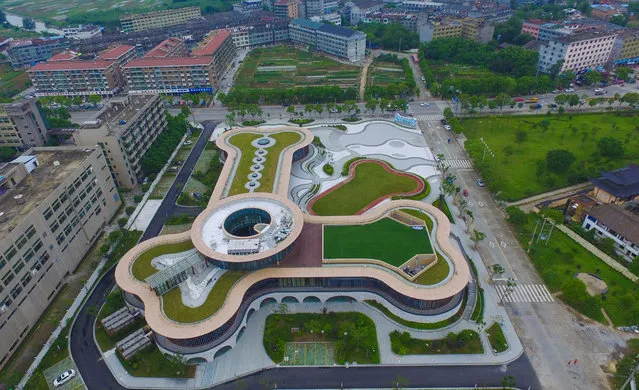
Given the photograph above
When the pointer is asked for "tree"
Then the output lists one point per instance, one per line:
(319, 108)
(620, 20)
(230, 119)
(448, 114)
(592, 77)
(498, 270)
(559, 160)
(291, 110)
(477, 236)
(516, 215)
(502, 99)
(371, 105)
(6, 153)
(631, 98)
(95, 99)
(309, 108)
(610, 147)
(28, 24)
(521, 136)
(623, 73)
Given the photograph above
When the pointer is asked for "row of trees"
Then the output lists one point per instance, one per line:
(299, 95)
(391, 36)
(402, 88)
(160, 151)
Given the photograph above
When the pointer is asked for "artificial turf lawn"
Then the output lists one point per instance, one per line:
(371, 181)
(434, 274)
(243, 142)
(386, 240)
(175, 309)
(497, 338)
(421, 215)
(516, 175)
(142, 267)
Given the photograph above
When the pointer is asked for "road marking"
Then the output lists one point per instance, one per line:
(503, 244)
(470, 204)
(492, 244)
(459, 163)
(525, 293)
(480, 204)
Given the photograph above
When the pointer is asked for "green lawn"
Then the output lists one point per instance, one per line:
(441, 204)
(371, 181)
(423, 216)
(12, 81)
(243, 142)
(514, 170)
(142, 267)
(353, 333)
(465, 342)
(497, 338)
(562, 258)
(385, 240)
(153, 363)
(478, 312)
(383, 73)
(436, 274)
(113, 303)
(176, 310)
(415, 324)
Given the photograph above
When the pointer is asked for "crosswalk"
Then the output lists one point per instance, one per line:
(433, 117)
(525, 293)
(459, 164)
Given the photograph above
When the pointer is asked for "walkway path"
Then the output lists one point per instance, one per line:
(527, 204)
(364, 76)
(597, 252)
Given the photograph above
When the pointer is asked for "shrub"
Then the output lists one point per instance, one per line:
(252, 123)
(516, 216)
(137, 198)
(122, 221)
(129, 210)
(328, 169)
(302, 121)
(339, 127)
(348, 163)
(351, 119)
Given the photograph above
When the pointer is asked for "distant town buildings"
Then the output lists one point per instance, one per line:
(27, 52)
(337, 41)
(21, 124)
(248, 7)
(54, 203)
(124, 131)
(333, 18)
(625, 50)
(286, 9)
(407, 20)
(158, 19)
(258, 34)
(82, 32)
(469, 28)
(531, 27)
(355, 10)
(76, 78)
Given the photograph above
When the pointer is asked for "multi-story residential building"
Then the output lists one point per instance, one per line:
(124, 131)
(407, 20)
(355, 10)
(603, 11)
(174, 75)
(418, 6)
(258, 34)
(531, 27)
(120, 53)
(286, 8)
(82, 32)
(576, 52)
(30, 51)
(618, 186)
(314, 8)
(170, 47)
(625, 50)
(66, 55)
(477, 29)
(218, 45)
(248, 7)
(158, 19)
(445, 28)
(549, 31)
(333, 18)
(21, 124)
(617, 223)
(54, 203)
(338, 41)
(99, 77)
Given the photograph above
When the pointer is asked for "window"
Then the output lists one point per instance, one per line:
(30, 231)
(26, 279)
(16, 291)
(10, 253)
(7, 278)
(22, 241)
(48, 213)
(60, 238)
(56, 205)
(29, 255)
(18, 267)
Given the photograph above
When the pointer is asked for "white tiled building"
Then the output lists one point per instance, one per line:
(617, 223)
(578, 51)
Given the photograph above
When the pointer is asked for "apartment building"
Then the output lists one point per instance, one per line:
(407, 20)
(418, 6)
(175, 75)
(286, 9)
(550, 31)
(27, 52)
(120, 54)
(158, 19)
(333, 40)
(333, 18)
(248, 7)
(477, 29)
(355, 10)
(531, 27)
(264, 33)
(82, 32)
(618, 223)
(220, 47)
(446, 28)
(124, 131)
(625, 50)
(21, 124)
(171, 47)
(618, 186)
(54, 202)
(76, 78)
(576, 52)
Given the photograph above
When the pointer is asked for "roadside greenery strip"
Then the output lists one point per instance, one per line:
(465, 342)
(497, 338)
(415, 324)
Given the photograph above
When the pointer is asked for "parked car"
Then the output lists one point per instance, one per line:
(555, 91)
(554, 105)
(444, 122)
(64, 378)
(447, 127)
(598, 93)
(519, 100)
(480, 182)
(598, 90)
(570, 90)
(333, 110)
(424, 104)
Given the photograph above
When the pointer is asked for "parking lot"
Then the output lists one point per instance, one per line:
(54, 371)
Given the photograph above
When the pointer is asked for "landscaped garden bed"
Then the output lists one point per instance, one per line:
(142, 267)
(415, 324)
(465, 342)
(497, 338)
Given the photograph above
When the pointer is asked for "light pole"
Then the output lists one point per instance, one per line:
(486, 148)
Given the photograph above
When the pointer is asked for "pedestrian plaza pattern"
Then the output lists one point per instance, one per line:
(525, 293)
(459, 164)
(309, 354)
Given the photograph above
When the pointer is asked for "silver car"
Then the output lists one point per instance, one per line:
(64, 378)
(480, 182)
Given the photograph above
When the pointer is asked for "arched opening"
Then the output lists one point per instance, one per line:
(240, 334)
(341, 298)
(311, 300)
(268, 301)
(222, 351)
(196, 360)
(249, 314)
(290, 300)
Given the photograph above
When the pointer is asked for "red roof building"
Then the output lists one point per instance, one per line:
(171, 47)
(120, 53)
(170, 75)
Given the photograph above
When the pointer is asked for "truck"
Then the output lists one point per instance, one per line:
(532, 100)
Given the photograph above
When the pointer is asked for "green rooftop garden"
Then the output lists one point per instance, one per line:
(243, 142)
(176, 310)
(385, 240)
(142, 267)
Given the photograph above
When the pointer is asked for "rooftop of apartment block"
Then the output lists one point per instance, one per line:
(582, 36)
(55, 165)
(164, 47)
(210, 44)
(115, 52)
(66, 55)
(118, 114)
(71, 65)
(167, 62)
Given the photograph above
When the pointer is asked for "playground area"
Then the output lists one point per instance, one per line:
(309, 354)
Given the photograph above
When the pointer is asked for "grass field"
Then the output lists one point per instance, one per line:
(163, 186)
(284, 67)
(243, 142)
(444, 70)
(142, 267)
(386, 240)
(152, 363)
(176, 310)
(370, 182)
(577, 133)
(382, 73)
(12, 82)
(414, 324)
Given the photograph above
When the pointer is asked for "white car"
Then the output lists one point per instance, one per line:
(447, 127)
(480, 182)
(569, 90)
(64, 378)
(598, 90)
(333, 110)
(424, 104)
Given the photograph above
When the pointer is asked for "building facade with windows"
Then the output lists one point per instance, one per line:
(531, 27)
(124, 131)
(54, 203)
(175, 75)
(576, 52)
(286, 9)
(220, 47)
(618, 224)
(170, 47)
(258, 34)
(618, 186)
(120, 53)
(23, 53)
(333, 40)
(76, 78)
(158, 19)
(625, 50)
(82, 32)
(21, 124)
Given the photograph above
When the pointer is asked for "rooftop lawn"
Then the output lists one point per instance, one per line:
(386, 240)
(371, 181)
(243, 142)
(514, 169)
(142, 267)
(175, 309)
(436, 273)
(421, 215)
(563, 257)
